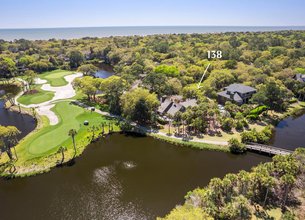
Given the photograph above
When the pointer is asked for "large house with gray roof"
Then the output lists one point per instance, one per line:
(173, 104)
(238, 93)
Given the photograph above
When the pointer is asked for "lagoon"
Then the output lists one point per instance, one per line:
(24, 123)
(120, 177)
(290, 133)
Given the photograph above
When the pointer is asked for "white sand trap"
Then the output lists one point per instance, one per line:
(46, 111)
(39, 81)
(62, 92)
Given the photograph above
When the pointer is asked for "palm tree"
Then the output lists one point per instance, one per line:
(72, 133)
(8, 138)
(34, 112)
(287, 181)
(12, 134)
(103, 127)
(62, 150)
(169, 128)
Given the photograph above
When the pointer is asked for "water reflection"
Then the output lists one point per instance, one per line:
(24, 123)
(290, 133)
(105, 71)
(122, 177)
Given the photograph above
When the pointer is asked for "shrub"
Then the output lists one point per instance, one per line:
(252, 117)
(245, 123)
(267, 131)
(239, 126)
(227, 124)
(300, 70)
(236, 147)
(293, 100)
(248, 136)
(257, 111)
(261, 138)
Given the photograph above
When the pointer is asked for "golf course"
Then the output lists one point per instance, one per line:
(39, 96)
(56, 117)
(47, 140)
(56, 78)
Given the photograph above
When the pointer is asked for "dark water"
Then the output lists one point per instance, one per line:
(290, 133)
(119, 178)
(105, 71)
(24, 123)
(70, 33)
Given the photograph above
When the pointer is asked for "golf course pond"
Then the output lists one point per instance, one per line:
(290, 132)
(121, 177)
(24, 123)
(104, 71)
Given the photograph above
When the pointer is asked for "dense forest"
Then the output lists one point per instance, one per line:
(166, 65)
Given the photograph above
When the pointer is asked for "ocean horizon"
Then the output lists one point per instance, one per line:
(81, 32)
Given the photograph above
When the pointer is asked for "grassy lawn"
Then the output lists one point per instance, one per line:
(196, 145)
(56, 77)
(224, 136)
(48, 139)
(39, 97)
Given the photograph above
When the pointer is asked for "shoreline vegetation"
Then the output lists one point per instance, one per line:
(52, 159)
(272, 190)
(191, 144)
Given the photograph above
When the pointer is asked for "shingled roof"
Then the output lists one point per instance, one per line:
(240, 88)
(171, 105)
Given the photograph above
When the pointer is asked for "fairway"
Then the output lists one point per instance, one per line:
(36, 98)
(56, 77)
(49, 138)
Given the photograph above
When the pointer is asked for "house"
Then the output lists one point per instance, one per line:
(237, 93)
(173, 104)
(300, 77)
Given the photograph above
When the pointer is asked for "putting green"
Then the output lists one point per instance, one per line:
(56, 77)
(36, 98)
(50, 138)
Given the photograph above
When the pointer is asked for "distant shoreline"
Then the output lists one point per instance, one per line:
(81, 32)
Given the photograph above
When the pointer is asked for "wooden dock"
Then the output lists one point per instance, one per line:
(267, 149)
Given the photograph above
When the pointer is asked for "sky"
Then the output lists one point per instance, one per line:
(99, 13)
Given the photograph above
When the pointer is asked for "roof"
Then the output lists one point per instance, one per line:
(236, 96)
(176, 107)
(189, 103)
(240, 88)
(300, 77)
(165, 105)
(171, 105)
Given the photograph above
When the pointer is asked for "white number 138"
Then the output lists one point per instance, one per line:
(212, 54)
